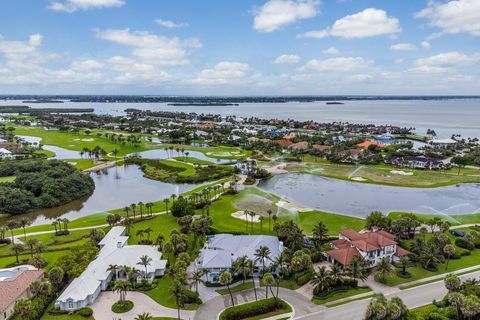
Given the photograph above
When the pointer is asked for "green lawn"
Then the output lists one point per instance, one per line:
(50, 257)
(161, 224)
(337, 295)
(7, 179)
(47, 316)
(243, 286)
(77, 141)
(193, 160)
(418, 272)
(381, 174)
(221, 211)
(83, 164)
(454, 219)
(162, 295)
(220, 152)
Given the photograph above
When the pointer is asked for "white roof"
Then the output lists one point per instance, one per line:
(114, 251)
(4, 151)
(223, 249)
(443, 141)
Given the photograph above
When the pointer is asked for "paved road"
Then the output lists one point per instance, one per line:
(414, 297)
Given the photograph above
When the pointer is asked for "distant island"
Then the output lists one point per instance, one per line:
(334, 102)
(29, 110)
(42, 101)
(202, 104)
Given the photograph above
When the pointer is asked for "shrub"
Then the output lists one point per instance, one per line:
(85, 312)
(122, 307)
(462, 243)
(192, 297)
(476, 243)
(303, 277)
(253, 309)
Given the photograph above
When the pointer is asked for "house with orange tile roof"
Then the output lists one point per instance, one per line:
(283, 143)
(367, 143)
(371, 246)
(14, 285)
(299, 146)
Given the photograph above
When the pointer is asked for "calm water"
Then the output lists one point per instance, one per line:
(359, 199)
(114, 188)
(447, 117)
(60, 153)
(163, 154)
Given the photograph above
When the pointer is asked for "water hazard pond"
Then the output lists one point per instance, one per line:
(359, 199)
(114, 188)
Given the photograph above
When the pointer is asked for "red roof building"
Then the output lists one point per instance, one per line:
(369, 246)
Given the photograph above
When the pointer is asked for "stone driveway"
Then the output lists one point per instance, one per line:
(102, 308)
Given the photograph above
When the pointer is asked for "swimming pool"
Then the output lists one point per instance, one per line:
(6, 274)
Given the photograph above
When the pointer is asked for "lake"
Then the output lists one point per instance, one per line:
(446, 117)
(114, 188)
(359, 199)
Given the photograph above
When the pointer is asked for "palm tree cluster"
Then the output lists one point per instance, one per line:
(381, 308)
(95, 153)
(430, 253)
(170, 150)
(61, 226)
(144, 235)
(464, 297)
(134, 140)
(324, 281)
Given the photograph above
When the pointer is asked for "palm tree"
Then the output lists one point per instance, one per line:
(113, 268)
(225, 279)
(148, 231)
(384, 269)
(404, 264)
(249, 268)
(246, 220)
(133, 206)
(145, 262)
(140, 205)
(321, 280)
(24, 222)
(240, 266)
(262, 254)
(268, 281)
(252, 215)
(31, 243)
(144, 316)
(269, 212)
(320, 232)
(115, 153)
(23, 307)
(196, 278)
(355, 269)
(127, 209)
(166, 200)
(335, 273)
(16, 249)
(449, 251)
(12, 225)
(139, 234)
(179, 294)
(65, 222)
(121, 287)
(261, 218)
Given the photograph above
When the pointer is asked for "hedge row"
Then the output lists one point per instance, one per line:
(253, 309)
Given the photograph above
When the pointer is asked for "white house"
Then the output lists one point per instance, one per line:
(221, 251)
(372, 247)
(113, 251)
(4, 153)
(443, 143)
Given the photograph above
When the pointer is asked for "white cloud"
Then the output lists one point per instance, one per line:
(86, 65)
(340, 64)
(367, 23)
(425, 45)
(360, 78)
(428, 70)
(151, 48)
(286, 58)
(170, 24)
(224, 72)
(446, 59)
(453, 16)
(403, 47)
(275, 14)
(74, 5)
(399, 61)
(331, 50)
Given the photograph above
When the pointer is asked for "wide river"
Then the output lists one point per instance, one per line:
(446, 117)
(359, 199)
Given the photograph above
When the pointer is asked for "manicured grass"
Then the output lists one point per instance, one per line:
(244, 286)
(221, 211)
(220, 152)
(83, 164)
(193, 160)
(50, 257)
(77, 141)
(52, 239)
(418, 272)
(454, 219)
(161, 224)
(337, 295)
(7, 179)
(381, 174)
(162, 294)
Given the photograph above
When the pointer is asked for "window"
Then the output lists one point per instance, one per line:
(70, 304)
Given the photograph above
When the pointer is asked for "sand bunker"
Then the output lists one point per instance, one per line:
(361, 179)
(291, 206)
(88, 140)
(278, 169)
(241, 215)
(403, 173)
(255, 203)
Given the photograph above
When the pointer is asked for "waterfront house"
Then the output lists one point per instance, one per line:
(367, 143)
(114, 250)
(299, 146)
(5, 154)
(443, 143)
(371, 246)
(14, 285)
(221, 251)
(418, 162)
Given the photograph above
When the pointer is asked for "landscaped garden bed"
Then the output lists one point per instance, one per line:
(256, 310)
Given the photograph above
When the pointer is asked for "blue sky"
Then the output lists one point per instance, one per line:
(247, 47)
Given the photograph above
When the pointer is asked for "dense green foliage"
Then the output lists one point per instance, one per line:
(41, 184)
(178, 172)
(122, 307)
(253, 309)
